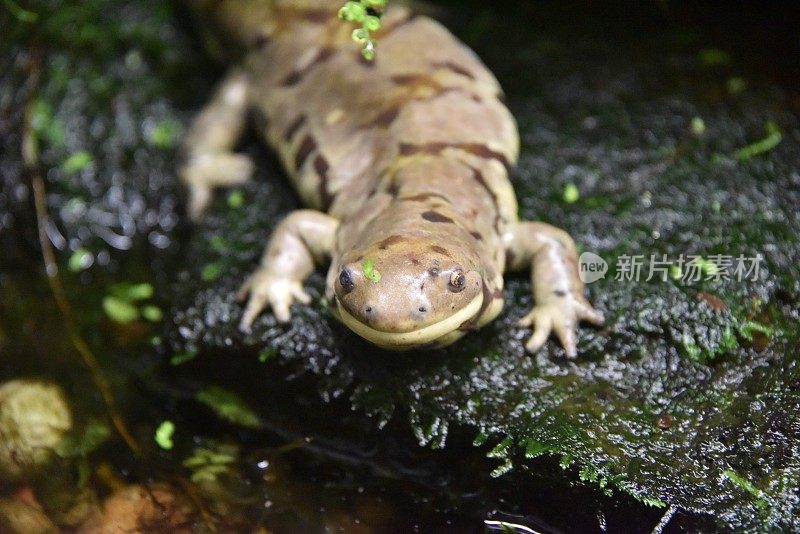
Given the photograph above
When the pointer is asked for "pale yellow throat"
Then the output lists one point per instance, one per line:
(423, 336)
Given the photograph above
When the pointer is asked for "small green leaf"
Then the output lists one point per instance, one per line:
(368, 52)
(211, 272)
(152, 313)
(77, 162)
(79, 260)
(163, 435)
(165, 134)
(534, 449)
(372, 23)
(235, 199)
(773, 139)
(353, 12)
(182, 357)
(697, 126)
(229, 406)
(501, 449)
(369, 270)
(130, 292)
(571, 193)
(502, 469)
(119, 310)
(267, 354)
(360, 35)
(714, 57)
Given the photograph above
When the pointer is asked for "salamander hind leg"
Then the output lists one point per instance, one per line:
(208, 157)
(302, 240)
(560, 304)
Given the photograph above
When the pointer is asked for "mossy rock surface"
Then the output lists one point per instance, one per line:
(689, 395)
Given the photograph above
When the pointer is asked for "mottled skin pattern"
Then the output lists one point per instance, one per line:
(404, 163)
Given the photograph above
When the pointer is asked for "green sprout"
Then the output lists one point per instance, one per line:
(163, 435)
(773, 139)
(368, 14)
(121, 304)
(207, 464)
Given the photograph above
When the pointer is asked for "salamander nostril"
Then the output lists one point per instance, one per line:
(368, 309)
(423, 309)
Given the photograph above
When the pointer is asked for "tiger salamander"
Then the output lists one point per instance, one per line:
(403, 163)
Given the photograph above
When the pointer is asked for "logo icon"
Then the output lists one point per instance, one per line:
(591, 267)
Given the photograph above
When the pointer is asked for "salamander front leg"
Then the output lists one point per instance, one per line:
(209, 160)
(304, 238)
(558, 291)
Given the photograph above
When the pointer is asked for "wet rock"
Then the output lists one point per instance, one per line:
(18, 516)
(34, 418)
(155, 508)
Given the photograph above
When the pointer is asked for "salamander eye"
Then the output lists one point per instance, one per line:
(346, 281)
(457, 280)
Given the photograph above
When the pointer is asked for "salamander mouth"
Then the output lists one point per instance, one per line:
(413, 338)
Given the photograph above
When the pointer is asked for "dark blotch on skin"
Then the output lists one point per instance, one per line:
(477, 235)
(261, 41)
(394, 189)
(321, 166)
(424, 197)
(454, 67)
(440, 250)
(294, 127)
(560, 293)
(385, 118)
(391, 240)
(297, 75)
(476, 149)
(386, 30)
(318, 16)
(436, 217)
(477, 175)
(307, 146)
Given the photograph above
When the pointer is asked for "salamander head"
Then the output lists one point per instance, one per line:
(404, 293)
